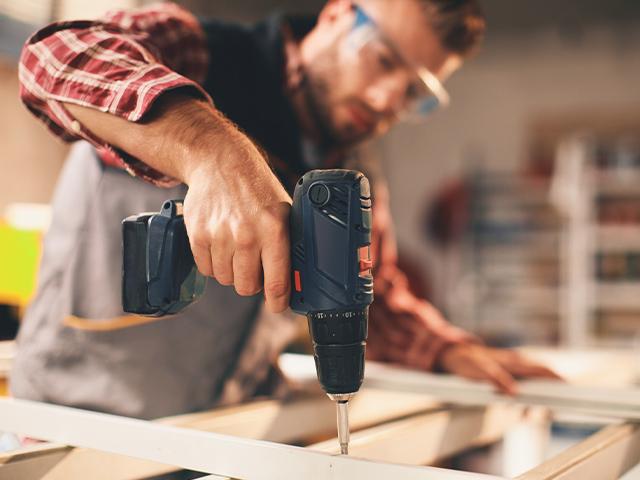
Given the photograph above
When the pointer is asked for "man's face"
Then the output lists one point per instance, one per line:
(352, 90)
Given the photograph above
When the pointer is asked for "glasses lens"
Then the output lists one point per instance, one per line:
(378, 58)
(422, 108)
(428, 105)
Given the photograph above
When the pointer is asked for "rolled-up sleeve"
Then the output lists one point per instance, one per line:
(403, 328)
(120, 64)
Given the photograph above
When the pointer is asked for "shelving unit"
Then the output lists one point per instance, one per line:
(596, 192)
(611, 292)
(514, 251)
(558, 260)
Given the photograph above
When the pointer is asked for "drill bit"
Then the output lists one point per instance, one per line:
(342, 403)
(343, 425)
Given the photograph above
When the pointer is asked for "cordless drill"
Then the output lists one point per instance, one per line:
(331, 275)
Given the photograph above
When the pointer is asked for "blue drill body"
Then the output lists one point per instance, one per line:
(331, 271)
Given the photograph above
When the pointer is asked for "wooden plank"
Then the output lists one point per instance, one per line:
(272, 420)
(31, 462)
(303, 418)
(32, 451)
(606, 455)
(205, 452)
(81, 463)
(427, 438)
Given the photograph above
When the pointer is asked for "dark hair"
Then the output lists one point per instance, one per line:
(460, 24)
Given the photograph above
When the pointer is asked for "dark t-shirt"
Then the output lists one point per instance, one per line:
(247, 83)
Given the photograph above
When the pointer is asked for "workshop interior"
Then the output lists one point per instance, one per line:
(513, 217)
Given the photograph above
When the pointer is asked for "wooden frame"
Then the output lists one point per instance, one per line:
(390, 426)
(277, 421)
(606, 455)
(427, 438)
(207, 452)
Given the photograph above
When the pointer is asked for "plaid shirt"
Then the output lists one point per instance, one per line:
(120, 64)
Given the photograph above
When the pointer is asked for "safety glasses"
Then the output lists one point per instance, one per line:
(381, 59)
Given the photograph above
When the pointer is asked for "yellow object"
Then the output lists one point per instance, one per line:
(19, 258)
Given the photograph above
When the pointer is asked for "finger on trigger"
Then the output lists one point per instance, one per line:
(276, 265)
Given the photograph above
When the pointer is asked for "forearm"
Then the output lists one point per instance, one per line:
(179, 135)
(235, 211)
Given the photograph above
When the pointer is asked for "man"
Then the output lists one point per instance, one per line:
(237, 115)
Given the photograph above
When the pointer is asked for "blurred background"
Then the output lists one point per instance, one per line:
(517, 209)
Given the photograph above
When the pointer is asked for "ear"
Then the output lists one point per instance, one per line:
(334, 10)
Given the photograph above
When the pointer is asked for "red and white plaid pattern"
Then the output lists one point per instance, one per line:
(118, 64)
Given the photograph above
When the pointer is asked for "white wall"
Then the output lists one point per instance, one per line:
(514, 81)
(30, 157)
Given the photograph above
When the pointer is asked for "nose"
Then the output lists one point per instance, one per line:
(386, 95)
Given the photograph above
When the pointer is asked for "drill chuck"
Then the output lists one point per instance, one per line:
(339, 348)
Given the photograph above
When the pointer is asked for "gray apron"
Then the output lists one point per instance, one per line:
(77, 347)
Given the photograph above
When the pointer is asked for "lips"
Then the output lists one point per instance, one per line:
(361, 120)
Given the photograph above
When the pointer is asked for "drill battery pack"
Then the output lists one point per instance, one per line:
(159, 275)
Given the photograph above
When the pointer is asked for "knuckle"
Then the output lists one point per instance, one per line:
(276, 288)
(200, 239)
(245, 238)
(275, 220)
(221, 251)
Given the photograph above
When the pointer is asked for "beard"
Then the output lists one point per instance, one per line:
(316, 94)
